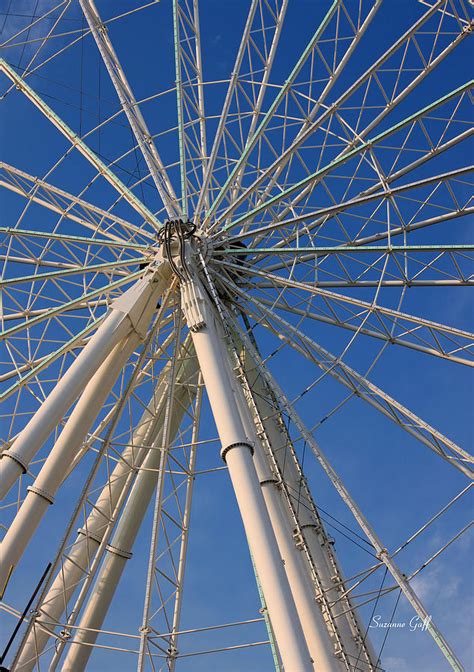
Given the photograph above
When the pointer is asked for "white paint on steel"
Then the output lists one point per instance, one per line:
(105, 510)
(130, 312)
(211, 353)
(124, 537)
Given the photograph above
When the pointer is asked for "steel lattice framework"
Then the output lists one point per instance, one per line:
(306, 210)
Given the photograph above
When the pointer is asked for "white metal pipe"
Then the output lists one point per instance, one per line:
(317, 638)
(134, 310)
(279, 600)
(120, 548)
(342, 618)
(51, 411)
(42, 493)
(237, 452)
(84, 548)
(378, 546)
(347, 623)
(130, 312)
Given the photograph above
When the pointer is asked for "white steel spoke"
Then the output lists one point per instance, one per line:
(382, 553)
(131, 109)
(254, 60)
(322, 215)
(433, 150)
(370, 79)
(336, 8)
(66, 205)
(356, 270)
(365, 145)
(11, 231)
(204, 195)
(366, 390)
(80, 145)
(93, 268)
(379, 331)
(267, 69)
(364, 243)
(190, 99)
(430, 331)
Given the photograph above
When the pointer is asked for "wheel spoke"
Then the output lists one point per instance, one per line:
(131, 108)
(69, 206)
(81, 146)
(320, 217)
(382, 553)
(351, 320)
(311, 51)
(367, 145)
(366, 390)
(372, 81)
(192, 130)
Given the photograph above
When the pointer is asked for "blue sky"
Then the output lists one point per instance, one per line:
(398, 483)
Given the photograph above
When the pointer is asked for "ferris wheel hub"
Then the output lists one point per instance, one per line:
(186, 249)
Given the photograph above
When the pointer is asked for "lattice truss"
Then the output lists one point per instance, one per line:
(300, 197)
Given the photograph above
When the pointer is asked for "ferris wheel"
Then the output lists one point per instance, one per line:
(235, 334)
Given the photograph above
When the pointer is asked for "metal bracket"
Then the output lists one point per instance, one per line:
(193, 301)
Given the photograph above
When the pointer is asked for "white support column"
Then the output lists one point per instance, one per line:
(130, 312)
(16, 459)
(317, 638)
(120, 548)
(89, 539)
(316, 634)
(42, 493)
(381, 551)
(345, 618)
(237, 452)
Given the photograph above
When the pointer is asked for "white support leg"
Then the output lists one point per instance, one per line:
(314, 629)
(43, 491)
(316, 634)
(16, 459)
(89, 539)
(137, 306)
(120, 548)
(317, 638)
(130, 312)
(349, 629)
(237, 452)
